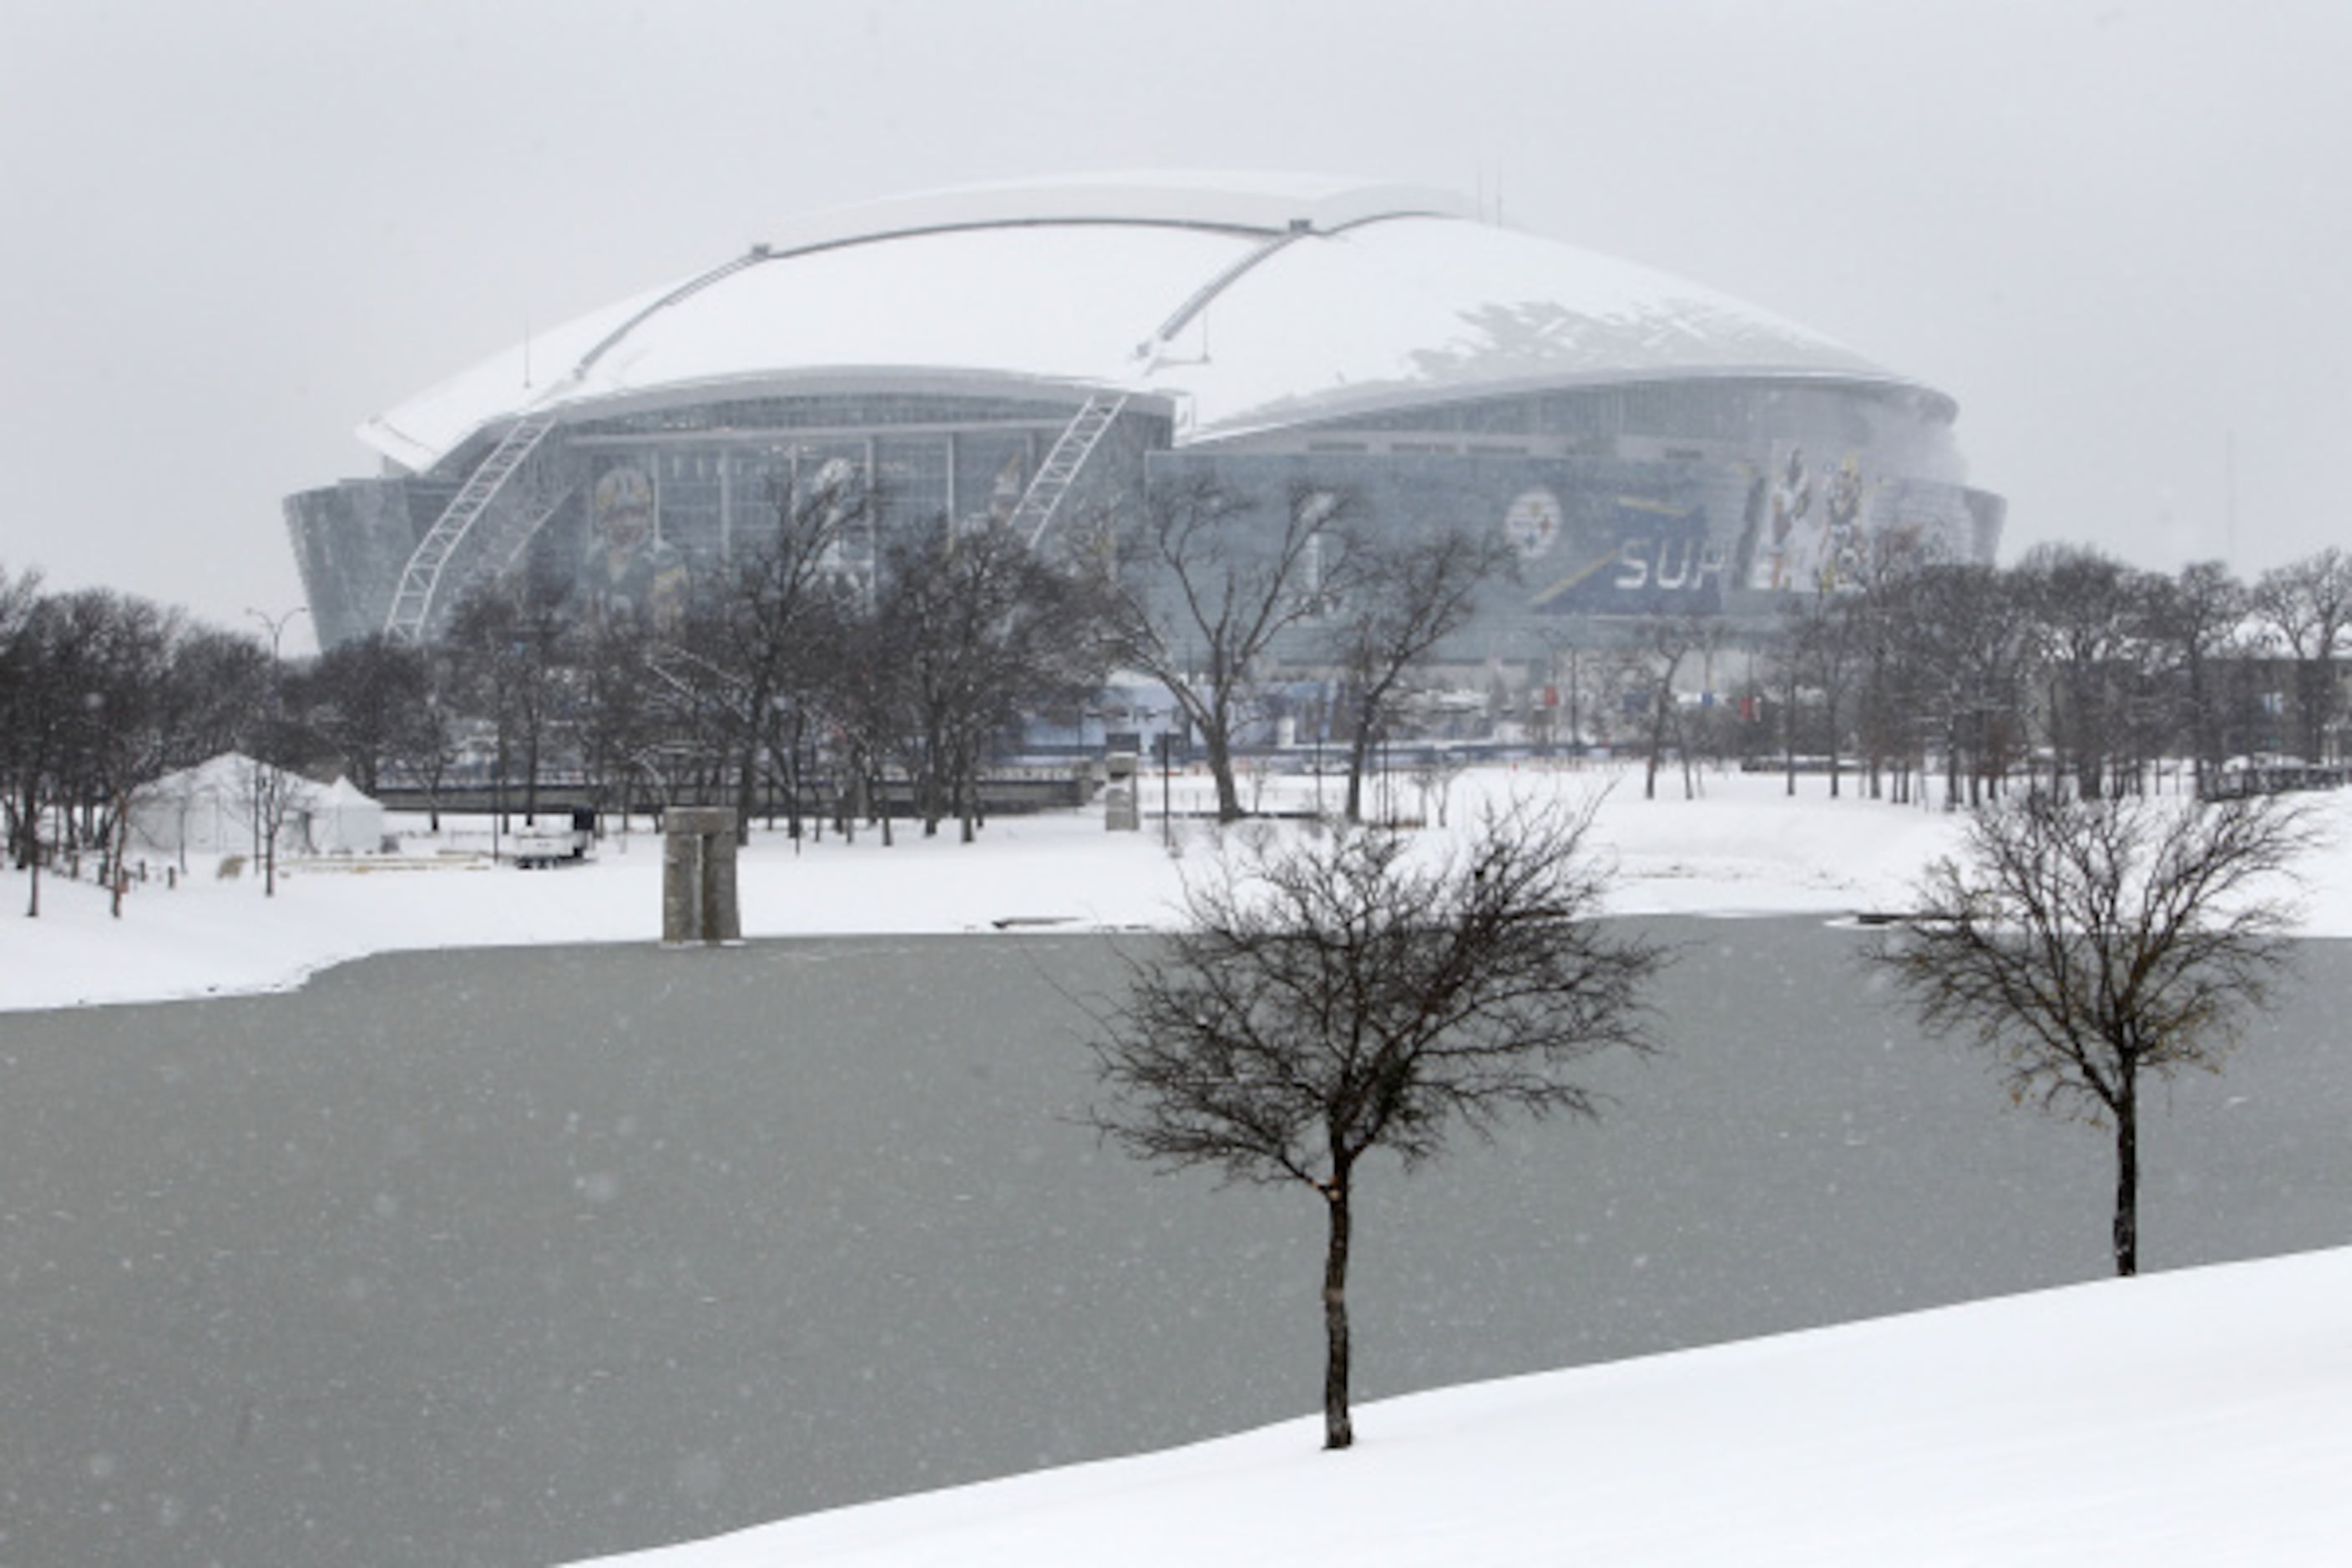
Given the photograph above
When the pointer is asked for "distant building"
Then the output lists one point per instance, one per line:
(1035, 351)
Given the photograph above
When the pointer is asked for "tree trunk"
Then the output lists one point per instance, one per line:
(2126, 1235)
(1339, 1430)
(1829, 716)
(1359, 756)
(1219, 746)
(747, 789)
(1657, 746)
(1788, 732)
(116, 851)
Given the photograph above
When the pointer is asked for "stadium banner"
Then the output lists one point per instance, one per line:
(1590, 536)
(1622, 537)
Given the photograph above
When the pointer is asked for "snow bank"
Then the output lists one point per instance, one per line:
(2170, 1421)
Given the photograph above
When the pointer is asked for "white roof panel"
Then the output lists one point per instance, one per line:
(1285, 298)
(1404, 309)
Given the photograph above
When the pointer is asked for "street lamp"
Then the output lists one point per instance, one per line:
(277, 626)
(267, 843)
(1167, 739)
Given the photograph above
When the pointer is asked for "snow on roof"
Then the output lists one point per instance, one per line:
(1245, 300)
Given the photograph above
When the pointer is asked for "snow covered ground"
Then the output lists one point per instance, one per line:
(1742, 846)
(2172, 1421)
(2192, 1417)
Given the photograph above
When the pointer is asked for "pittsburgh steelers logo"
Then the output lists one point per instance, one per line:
(1532, 524)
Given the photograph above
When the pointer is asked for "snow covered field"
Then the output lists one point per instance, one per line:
(2174, 1421)
(2196, 1418)
(1743, 847)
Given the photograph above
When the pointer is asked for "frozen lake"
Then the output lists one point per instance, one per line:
(518, 1257)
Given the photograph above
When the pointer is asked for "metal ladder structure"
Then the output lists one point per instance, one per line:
(1063, 462)
(420, 579)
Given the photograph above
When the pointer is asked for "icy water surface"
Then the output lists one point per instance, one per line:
(515, 1258)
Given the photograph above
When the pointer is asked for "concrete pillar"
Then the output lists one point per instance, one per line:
(1122, 812)
(698, 901)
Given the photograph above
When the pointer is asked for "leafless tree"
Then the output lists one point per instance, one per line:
(976, 630)
(1201, 587)
(1340, 996)
(1433, 777)
(2088, 619)
(427, 744)
(122, 649)
(615, 723)
(1653, 664)
(1412, 594)
(2307, 606)
(358, 698)
(1890, 679)
(1789, 666)
(29, 716)
(2084, 943)
(2196, 622)
(272, 796)
(507, 644)
(1970, 636)
(1825, 635)
(765, 622)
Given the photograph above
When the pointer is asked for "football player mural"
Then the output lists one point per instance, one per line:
(629, 575)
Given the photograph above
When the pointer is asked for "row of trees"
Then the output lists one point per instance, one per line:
(810, 666)
(100, 694)
(831, 654)
(2070, 661)
(830, 657)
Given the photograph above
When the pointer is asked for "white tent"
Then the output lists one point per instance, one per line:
(212, 809)
(340, 820)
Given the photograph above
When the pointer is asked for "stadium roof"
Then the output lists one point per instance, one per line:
(1243, 301)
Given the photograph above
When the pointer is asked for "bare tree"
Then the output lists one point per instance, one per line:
(764, 623)
(1652, 666)
(125, 648)
(977, 630)
(616, 724)
(1970, 652)
(30, 718)
(220, 685)
(1334, 997)
(272, 796)
(2087, 612)
(2306, 605)
(427, 744)
(2196, 621)
(1788, 649)
(1817, 654)
(1412, 595)
(359, 697)
(506, 643)
(1203, 587)
(2084, 943)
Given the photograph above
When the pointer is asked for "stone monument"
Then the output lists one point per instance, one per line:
(698, 901)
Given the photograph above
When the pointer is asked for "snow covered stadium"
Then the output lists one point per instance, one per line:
(1034, 350)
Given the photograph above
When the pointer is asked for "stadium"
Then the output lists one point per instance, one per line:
(1036, 351)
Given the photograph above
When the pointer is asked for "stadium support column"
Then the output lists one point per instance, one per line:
(698, 901)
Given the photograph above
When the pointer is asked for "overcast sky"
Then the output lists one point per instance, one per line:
(2119, 232)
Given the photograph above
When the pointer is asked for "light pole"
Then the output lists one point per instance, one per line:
(1167, 763)
(277, 626)
(266, 833)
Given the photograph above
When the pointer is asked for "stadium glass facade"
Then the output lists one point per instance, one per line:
(1625, 485)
